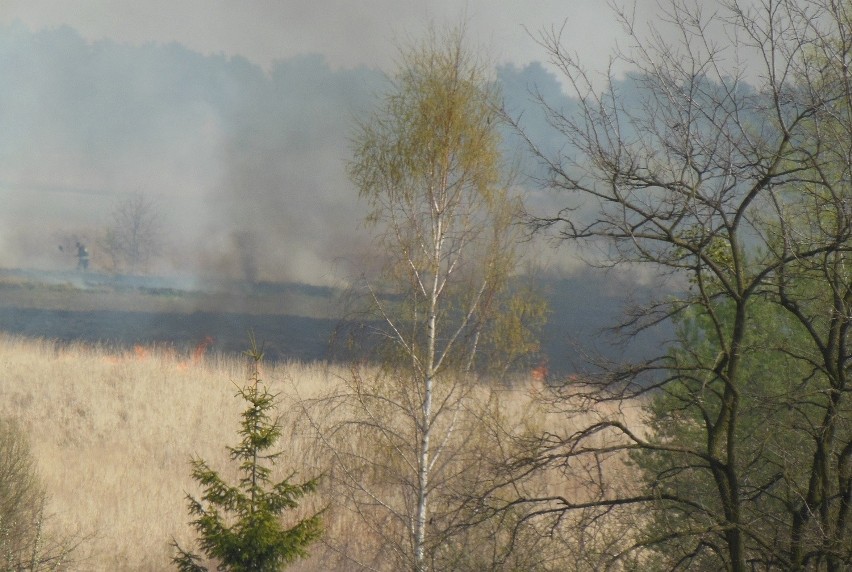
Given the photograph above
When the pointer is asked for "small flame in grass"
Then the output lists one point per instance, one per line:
(540, 372)
(141, 353)
(201, 348)
(138, 353)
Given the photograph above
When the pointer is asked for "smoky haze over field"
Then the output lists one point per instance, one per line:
(246, 164)
(236, 158)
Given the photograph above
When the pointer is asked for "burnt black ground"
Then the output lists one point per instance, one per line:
(284, 337)
(293, 321)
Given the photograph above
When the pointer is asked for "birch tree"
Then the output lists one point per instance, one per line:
(429, 165)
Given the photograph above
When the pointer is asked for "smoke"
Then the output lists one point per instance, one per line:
(248, 165)
(350, 34)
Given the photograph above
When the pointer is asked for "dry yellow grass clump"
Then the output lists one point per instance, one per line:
(113, 432)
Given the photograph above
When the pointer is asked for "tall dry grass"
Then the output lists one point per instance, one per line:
(113, 432)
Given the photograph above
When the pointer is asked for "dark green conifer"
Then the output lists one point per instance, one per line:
(240, 527)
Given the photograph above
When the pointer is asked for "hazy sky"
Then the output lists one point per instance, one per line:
(348, 33)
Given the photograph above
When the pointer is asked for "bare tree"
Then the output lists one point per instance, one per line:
(722, 163)
(134, 237)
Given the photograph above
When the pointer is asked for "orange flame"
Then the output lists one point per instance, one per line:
(201, 348)
(539, 373)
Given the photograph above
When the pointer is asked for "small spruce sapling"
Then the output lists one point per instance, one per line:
(240, 526)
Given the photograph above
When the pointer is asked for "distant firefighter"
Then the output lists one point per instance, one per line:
(82, 257)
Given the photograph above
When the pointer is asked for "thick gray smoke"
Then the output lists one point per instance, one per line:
(246, 164)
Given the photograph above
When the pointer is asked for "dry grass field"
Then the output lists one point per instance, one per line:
(112, 432)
